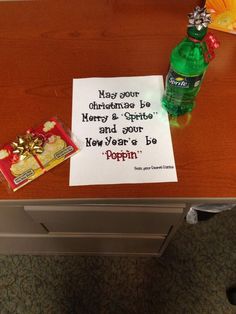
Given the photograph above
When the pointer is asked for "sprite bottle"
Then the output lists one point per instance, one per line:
(188, 63)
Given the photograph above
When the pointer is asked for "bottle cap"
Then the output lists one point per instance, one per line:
(200, 18)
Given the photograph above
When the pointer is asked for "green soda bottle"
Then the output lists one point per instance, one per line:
(188, 63)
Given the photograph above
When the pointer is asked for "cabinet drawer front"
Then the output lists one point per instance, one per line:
(106, 219)
(49, 244)
(14, 219)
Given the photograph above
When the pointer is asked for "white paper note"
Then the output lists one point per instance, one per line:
(124, 132)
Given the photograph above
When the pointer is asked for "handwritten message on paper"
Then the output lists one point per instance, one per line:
(109, 123)
(124, 131)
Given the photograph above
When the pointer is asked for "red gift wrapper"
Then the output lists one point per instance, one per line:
(57, 146)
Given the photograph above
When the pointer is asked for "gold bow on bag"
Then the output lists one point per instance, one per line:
(26, 145)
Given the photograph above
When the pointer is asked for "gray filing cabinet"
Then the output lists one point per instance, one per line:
(88, 227)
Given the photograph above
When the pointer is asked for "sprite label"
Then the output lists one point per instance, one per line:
(180, 81)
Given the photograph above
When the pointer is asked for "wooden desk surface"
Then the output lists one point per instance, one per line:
(45, 44)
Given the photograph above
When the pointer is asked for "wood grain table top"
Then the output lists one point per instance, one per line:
(45, 44)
